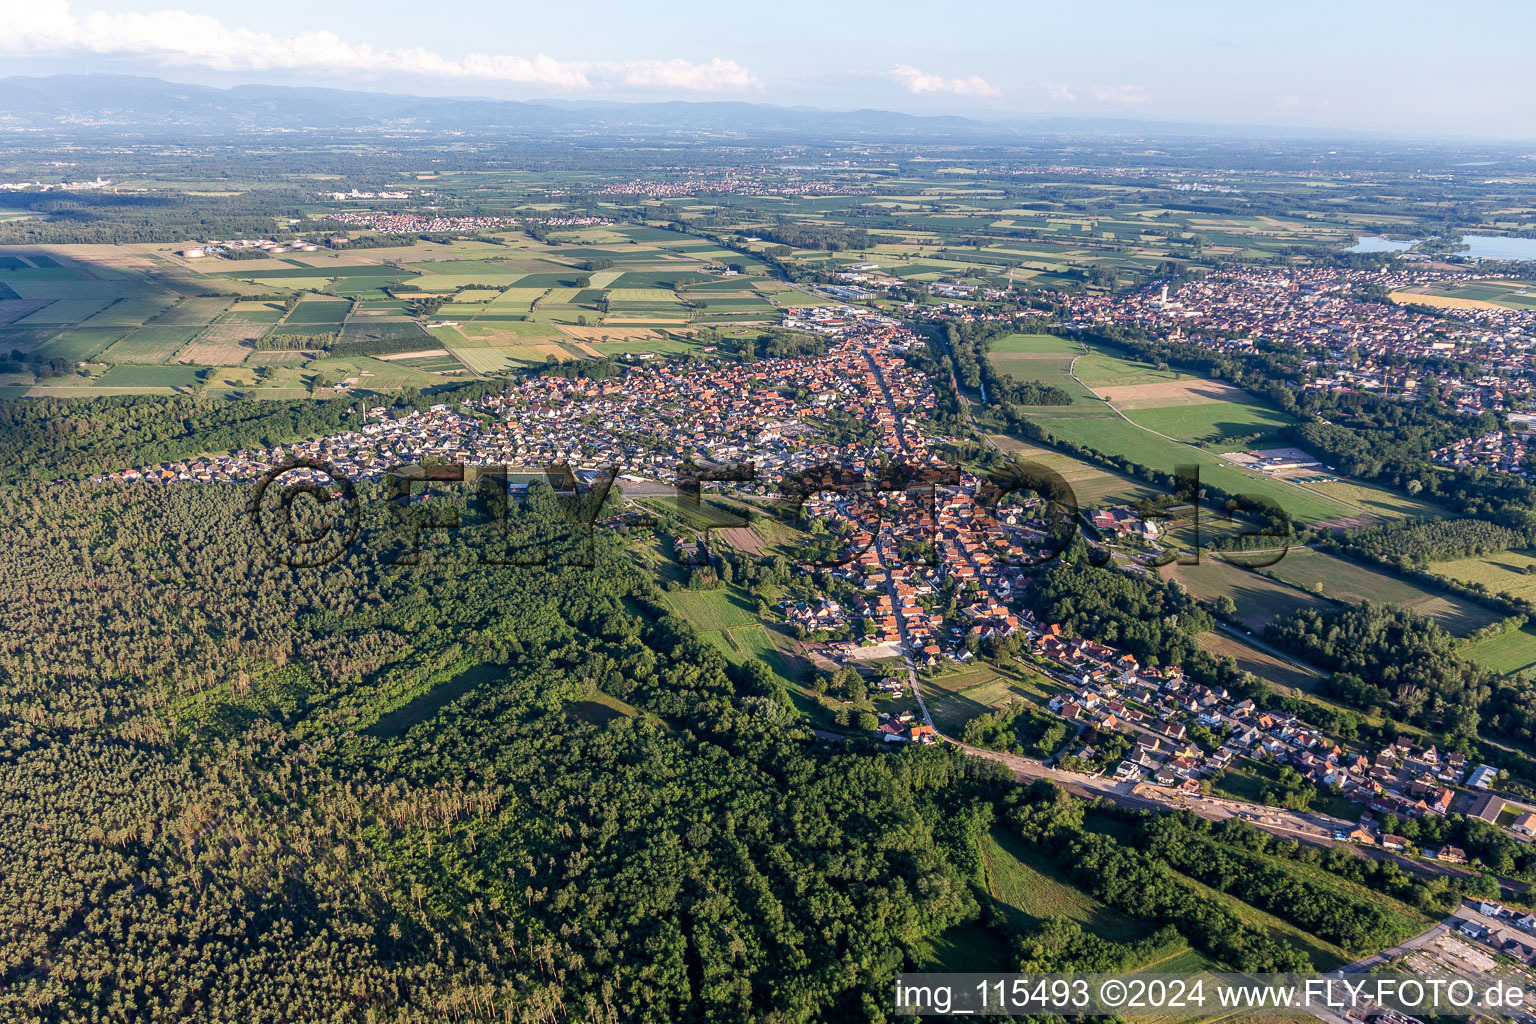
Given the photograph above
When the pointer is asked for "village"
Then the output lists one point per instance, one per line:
(1355, 336)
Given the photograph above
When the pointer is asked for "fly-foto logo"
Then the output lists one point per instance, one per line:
(309, 514)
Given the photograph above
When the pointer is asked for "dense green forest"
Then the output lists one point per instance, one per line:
(191, 739)
(1418, 543)
(1384, 657)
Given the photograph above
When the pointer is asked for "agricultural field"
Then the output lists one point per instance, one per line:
(315, 316)
(76, 345)
(151, 377)
(1495, 293)
(359, 331)
(1259, 600)
(1266, 666)
(1509, 653)
(374, 373)
(1094, 486)
(1350, 582)
(511, 303)
(149, 345)
(1030, 888)
(1505, 572)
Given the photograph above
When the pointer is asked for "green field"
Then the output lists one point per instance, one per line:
(1213, 424)
(707, 610)
(130, 314)
(1092, 422)
(1042, 344)
(1259, 600)
(1325, 955)
(1378, 500)
(1509, 653)
(954, 698)
(131, 376)
(315, 316)
(1106, 432)
(374, 373)
(741, 644)
(64, 311)
(1509, 294)
(1250, 659)
(1350, 582)
(77, 345)
(150, 345)
(1101, 370)
(1029, 888)
(1093, 485)
(1505, 572)
(382, 329)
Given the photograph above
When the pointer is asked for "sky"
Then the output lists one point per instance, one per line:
(1404, 68)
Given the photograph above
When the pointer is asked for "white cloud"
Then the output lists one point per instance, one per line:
(1060, 92)
(921, 82)
(182, 38)
(717, 75)
(1120, 94)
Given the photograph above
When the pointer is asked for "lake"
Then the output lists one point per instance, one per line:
(1377, 243)
(1497, 247)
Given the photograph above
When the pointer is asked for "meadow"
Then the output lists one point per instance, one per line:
(1216, 424)
(1378, 500)
(1093, 485)
(128, 376)
(1103, 372)
(1104, 431)
(713, 610)
(1262, 664)
(955, 695)
(1029, 888)
(1504, 572)
(1508, 653)
(1123, 408)
(1259, 600)
(1343, 580)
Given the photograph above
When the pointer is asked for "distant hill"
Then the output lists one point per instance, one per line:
(134, 103)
